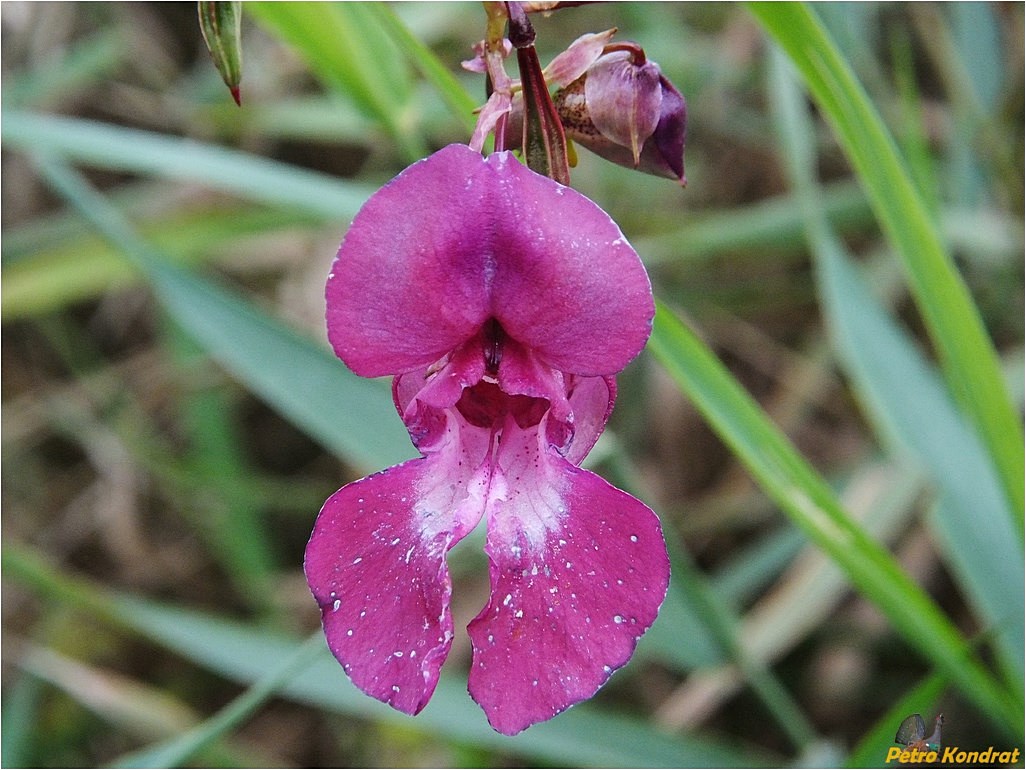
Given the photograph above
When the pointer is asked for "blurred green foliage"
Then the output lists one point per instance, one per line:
(842, 303)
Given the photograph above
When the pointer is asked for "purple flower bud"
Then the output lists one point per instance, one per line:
(625, 110)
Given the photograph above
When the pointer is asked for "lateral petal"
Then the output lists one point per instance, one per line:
(578, 572)
(376, 565)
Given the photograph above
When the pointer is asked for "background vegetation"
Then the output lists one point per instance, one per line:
(829, 438)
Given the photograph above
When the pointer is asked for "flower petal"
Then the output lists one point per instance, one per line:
(376, 565)
(624, 100)
(575, 60)
(456, 239)
(567, 284)
(408, 284)
(578, 572)
(591, 401)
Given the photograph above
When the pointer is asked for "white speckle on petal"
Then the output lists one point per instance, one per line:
(618, 619)
(336, 605)
(357, 560)
(634, 538)
(518, 614)
(398, 653)
(507, 600)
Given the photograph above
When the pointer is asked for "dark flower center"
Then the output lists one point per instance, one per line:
(485, 404)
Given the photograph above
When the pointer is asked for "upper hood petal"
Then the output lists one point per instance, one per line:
(456, 239)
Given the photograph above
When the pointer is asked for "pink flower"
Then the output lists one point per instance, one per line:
(503, 303)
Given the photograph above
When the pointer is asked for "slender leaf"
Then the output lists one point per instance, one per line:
(967, 356)
(307, 384)
(911, 409)
(245, 653)
(178, 750)
(81, 265)
(19, 725)
(914, 411)
(423, 58)
(142, 152)
(349, 52)
(806, 498)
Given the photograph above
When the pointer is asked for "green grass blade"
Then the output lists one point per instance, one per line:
(20, 722)
(143, 152)
(80, 265)
(178, 750)
(909, 406)
(724, 625)
(808, 500)
(913, 410)
(238, 532)
(348, 51)
(304, 381)
(967, 355)
(460, 103)
(581, 736)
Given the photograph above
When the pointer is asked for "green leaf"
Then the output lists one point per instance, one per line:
(460, 103)
(581, 736)
(21, 720)
(348, 414)
(143, 152)
(914, 412)
(967, 355)
(808, 500)
(910, 408)
(43, 273)
(348, 51)
(176, 751)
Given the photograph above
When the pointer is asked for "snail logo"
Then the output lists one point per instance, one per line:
(922, 749)
(912, 734)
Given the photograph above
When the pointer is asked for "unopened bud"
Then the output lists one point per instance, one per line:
(625, 110)
(221, 25)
